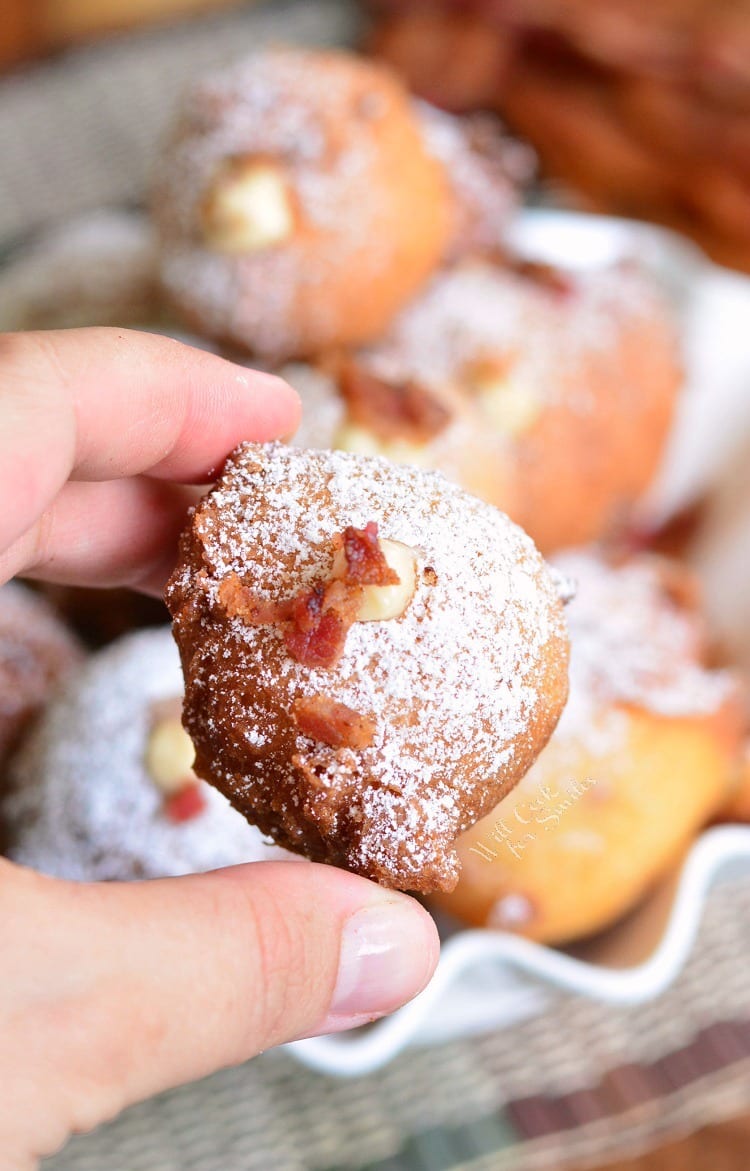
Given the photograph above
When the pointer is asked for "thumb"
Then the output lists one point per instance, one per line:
(161, 982)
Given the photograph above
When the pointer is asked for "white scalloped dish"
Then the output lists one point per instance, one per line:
(490, 979)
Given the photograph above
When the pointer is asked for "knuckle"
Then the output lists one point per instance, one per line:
(41, 541)
(278, 965)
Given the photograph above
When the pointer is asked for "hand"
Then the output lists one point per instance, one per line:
(112, 992)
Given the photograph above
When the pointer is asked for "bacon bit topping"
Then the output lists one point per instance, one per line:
(547, 276)
(671, 538)
(186, 804)
(364, 557)
(322, 718)
(404, 410)
(554, 280)
(316, 621)
(430, 575)
(320, 620)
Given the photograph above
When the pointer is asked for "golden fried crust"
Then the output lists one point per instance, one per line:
(590, 862)
(583, 464)
(645, 754)
(738, 806)
(451, 701)
(370, 207)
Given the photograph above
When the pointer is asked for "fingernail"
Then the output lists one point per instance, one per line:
(388, 953)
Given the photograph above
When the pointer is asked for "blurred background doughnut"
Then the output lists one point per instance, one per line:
(37, 651)
(648, 750)
(297, 204)
(548, 393)
(104, 788)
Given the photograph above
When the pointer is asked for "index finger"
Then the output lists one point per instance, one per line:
(101, 404)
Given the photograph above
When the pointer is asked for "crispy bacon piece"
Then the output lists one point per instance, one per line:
(322, 718)
(672, 538)
(405, 410)
(365, 562)
(320, 620)
(554, 280)
(316, 621)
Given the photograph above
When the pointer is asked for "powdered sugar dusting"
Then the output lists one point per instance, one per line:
(464, 451)
(455, 685)
(315, 115)
(632, 645)
(82, 805)
(479, 309)
(554, 350)
(485, 168)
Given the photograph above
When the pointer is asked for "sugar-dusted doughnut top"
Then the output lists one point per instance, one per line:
(462, 689)
(543, 320)
(501, 343)
(83, 804)
(297, 204)
(638, 640)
